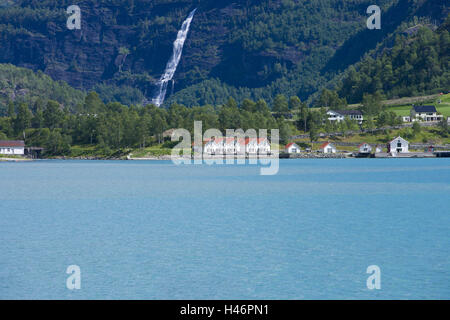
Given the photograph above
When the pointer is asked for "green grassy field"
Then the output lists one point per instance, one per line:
(442, 108)
(153, 151)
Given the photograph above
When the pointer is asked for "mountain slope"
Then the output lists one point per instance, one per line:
(24, 85)
(417, 64)
(242, 48)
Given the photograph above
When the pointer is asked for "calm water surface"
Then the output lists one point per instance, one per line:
(153, 230)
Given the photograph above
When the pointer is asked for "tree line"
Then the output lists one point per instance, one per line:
(113, 126)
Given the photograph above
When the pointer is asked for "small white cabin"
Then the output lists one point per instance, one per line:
(327, 147)
(292, 148)
(365, 148)
(263, 146)
(213, 146)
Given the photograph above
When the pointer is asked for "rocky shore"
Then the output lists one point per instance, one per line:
(15, 159)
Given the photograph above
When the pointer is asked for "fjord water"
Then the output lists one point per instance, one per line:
(153, 230)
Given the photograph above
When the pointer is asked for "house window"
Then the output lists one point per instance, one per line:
(399, 144)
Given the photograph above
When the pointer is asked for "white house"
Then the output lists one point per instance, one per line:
(365, 148)
(230, 145)
(213, 146)
(12, 147)
(263, 146)
(340, 115)
(292, 148)
(327, 148)
(253, 146)
(406, 118)
(425, 113)
(398, 145)
(335, 116)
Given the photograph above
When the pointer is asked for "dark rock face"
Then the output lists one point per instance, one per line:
(147, 29)
(128, 42)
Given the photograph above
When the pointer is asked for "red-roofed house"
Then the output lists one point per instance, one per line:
(10, 147)
(213, 146)
(327, 147)
(263, 146)
(365, 148)
(292, 148)
(253, 146)
(231, 145)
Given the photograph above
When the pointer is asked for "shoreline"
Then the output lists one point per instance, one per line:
(411, 155)
(15, 159)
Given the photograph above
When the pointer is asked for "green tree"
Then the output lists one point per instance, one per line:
(295, 103)
(313, 134)
(262, 107)
(248, 105)
(92, 103)
(280, 104)
(53, 115)
(372, 104)
(416, 128)
(330, 99)
(23, 119)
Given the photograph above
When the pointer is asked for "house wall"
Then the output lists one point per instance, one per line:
(425, 116)
(369, 148)
(264, 147)
(232, 148)
(12, 150)
(293, 149)
(394, 146)
(329, 149)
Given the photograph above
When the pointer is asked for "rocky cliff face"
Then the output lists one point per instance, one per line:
(281, 46)
(146, 29)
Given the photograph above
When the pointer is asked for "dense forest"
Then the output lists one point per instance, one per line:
(417, 64)
(114, 126)
(24, 85)
(238, 48)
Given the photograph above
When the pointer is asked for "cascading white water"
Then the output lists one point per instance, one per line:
(174, 60)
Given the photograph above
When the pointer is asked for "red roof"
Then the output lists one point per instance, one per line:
(248, 140)
(229, 140)
(289, 145)
(362, 144)
(12, 143)
(324, 145)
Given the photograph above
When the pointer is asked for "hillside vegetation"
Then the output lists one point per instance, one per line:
(23, 85)
(239, 48)
(416, 64)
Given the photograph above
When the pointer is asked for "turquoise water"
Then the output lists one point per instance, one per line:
(153, 230)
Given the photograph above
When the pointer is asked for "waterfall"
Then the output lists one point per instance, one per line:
(171, 66)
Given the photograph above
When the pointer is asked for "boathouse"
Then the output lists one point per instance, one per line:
(398, 145)
(365, 148)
